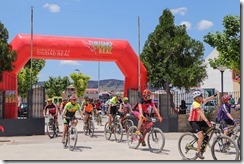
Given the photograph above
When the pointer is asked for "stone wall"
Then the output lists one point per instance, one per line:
(183, 125)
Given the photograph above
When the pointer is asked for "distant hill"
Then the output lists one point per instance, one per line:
(107, 84)
(104, 84)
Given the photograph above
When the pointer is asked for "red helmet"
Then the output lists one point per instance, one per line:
(225, 98)
(146, 92)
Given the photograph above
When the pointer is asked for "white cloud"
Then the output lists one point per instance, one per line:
(188, 24)
(52, 7)
(69, 62)
(204, 25)
(181, 11)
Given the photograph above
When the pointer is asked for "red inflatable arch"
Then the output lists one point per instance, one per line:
(71, 48)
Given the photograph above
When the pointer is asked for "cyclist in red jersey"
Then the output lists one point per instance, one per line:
(52, 109)
(141, 108)
(62, 105)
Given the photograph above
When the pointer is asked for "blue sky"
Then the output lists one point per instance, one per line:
(110, 19)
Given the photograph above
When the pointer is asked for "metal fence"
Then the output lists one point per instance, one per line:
(36, 102)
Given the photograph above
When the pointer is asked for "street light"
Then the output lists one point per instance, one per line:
(222, 69)
(78, 71)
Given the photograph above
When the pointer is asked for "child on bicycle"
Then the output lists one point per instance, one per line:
(197, 118)
(51, 109)
(141, 108)
(124, 109)
(69, 111)
(88, 108)
(224, 115)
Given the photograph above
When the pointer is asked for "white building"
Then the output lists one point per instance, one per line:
(214, 76)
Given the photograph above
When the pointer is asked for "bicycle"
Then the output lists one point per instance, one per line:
(187, 145)
(126, 122)
(89, 127)
(71, 136)
(51, 126)
(233, 132)
(155, 136)
(115, 128)
(98, 117)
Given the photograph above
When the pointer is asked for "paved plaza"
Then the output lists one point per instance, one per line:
(97, 148)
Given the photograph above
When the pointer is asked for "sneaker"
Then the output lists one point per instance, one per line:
(199, 155)
(138, 132)
(143, 143)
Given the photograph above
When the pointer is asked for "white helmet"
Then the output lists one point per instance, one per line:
(196, 94)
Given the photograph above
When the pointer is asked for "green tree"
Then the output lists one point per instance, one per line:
(226, 43)
(25, 76)
(172, 57)
(56, 85)
(80, 82)
(7, 56)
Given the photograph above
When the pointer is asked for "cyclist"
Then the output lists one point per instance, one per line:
(52, 109)
(98, 110)
(69, 111)
(125, 108)
(113, 106)
(62, 105)
(224, 115)
(141, 108)
(84, 103)
(197, 118)
(88, 108)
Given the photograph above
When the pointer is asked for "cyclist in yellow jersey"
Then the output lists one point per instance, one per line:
(197, 118)
(69, 111)
(113, 107)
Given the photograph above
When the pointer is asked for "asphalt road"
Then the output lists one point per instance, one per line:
(97, 148)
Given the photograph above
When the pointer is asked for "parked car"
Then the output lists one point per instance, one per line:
(212, 104)
(22, 110)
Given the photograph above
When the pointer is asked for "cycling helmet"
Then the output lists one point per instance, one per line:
(73, 97)
(49, 99)
(225, 98)
(146, 92)
(196, 94)
(125, 99)
(118, 94)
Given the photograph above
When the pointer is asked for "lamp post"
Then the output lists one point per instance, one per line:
(78, 71)
(222, 69)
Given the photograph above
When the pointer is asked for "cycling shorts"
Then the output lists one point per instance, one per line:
(198, 126)
(113, 110)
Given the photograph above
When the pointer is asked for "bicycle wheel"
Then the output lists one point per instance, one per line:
(73, 136)
(235, 137)
(91, 128)
(239, 142)
(51, 129)
(107, 132)
(187, 146)
(127, 124)
(118, 132)
(133, 139)
(156, 140)
(221, 149)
